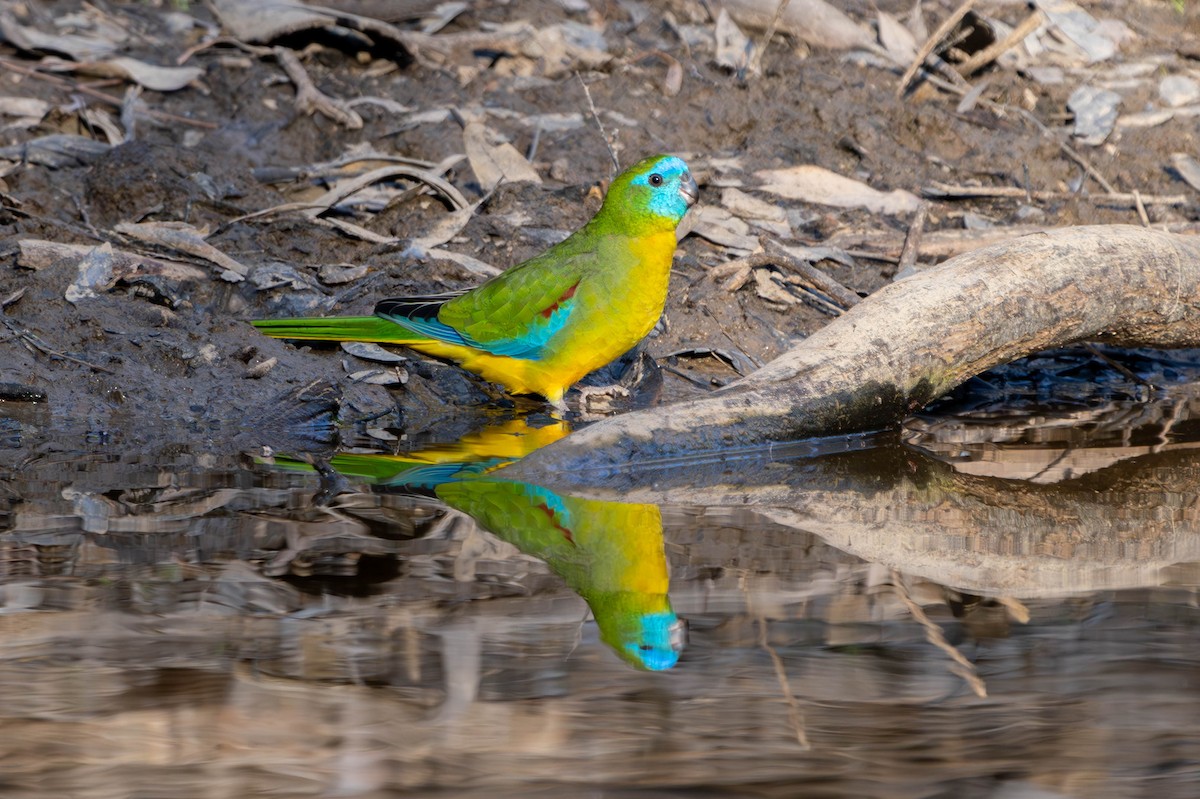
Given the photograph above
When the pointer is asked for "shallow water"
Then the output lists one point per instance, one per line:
(998, 602)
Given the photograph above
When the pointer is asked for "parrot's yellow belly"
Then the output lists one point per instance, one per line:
(615, 309)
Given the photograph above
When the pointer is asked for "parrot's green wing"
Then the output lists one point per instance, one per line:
(514, 314)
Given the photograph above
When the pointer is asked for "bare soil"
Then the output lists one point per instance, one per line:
(156, 362)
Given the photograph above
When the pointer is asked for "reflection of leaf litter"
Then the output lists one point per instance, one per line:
(814, 184)
(1095, 113)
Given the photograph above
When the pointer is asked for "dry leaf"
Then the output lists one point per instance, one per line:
(816, 185)
(39, 254)
(734, 48)
(721, 227)
(1188, 169)
(31, 40)
(1095, 113)
(24, 107)
(1080, 28)
(94, 273)
(896, 39)
(814, 21)
(184, 238)
(151, 76)
(258, 21)
(493, 163)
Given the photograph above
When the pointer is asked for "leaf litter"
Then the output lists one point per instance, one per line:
(422, 153)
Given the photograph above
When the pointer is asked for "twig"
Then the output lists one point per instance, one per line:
(818, 277)
(33, 342)
(741, 268)
(1028, 116)
(1119, 367)
(991, 53)
(1072, 153)
(116, 102)
(933, 634)
(945, 191)
(1141, 208)
(310, 99)
(770, 33)
(912, 240)
(596, 118)
(795, 714)
(704, 384)
(931, 43)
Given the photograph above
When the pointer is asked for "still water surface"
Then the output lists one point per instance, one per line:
(999, 601)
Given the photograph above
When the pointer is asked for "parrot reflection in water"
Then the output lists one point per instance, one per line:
(609, 553)
(540, 326)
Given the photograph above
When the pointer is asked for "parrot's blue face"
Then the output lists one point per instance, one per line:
(660, 641)
(672, 188)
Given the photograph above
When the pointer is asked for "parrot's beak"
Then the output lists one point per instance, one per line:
(689, 190)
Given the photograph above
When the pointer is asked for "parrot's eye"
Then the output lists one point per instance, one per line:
(656, 179)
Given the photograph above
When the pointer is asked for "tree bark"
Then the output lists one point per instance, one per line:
(914, 340)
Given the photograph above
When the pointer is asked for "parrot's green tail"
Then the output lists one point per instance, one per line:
(338, 328)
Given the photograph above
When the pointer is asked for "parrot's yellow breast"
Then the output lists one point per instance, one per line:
(616, 305)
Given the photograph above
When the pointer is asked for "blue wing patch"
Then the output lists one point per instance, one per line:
(430, 327)
(546, 323)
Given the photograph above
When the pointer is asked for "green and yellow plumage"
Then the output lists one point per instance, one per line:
(545, 323)
(610, 553)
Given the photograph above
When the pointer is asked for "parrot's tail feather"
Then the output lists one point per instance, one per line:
(339, 328)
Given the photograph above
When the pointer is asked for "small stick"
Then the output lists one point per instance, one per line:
(1141, 208)
(962, 667)
(822, 280)
(34, 342)
(596, 118)
(1071, 153)
(990, 54)
(741, 268)
(1119, 367)
(310, 99)
(931, 43)
(946, 191)
(912, 240)
(766, 39)
(795, 714)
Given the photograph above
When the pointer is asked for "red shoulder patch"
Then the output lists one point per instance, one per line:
(566, 295)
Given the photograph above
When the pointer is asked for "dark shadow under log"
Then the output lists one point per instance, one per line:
(914, 340)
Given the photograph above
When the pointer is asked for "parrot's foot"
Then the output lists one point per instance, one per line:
(599, 398)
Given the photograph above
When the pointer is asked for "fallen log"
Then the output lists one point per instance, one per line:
(914, 340)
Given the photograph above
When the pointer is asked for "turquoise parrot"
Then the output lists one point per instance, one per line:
(610, 553)
(540, 326)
